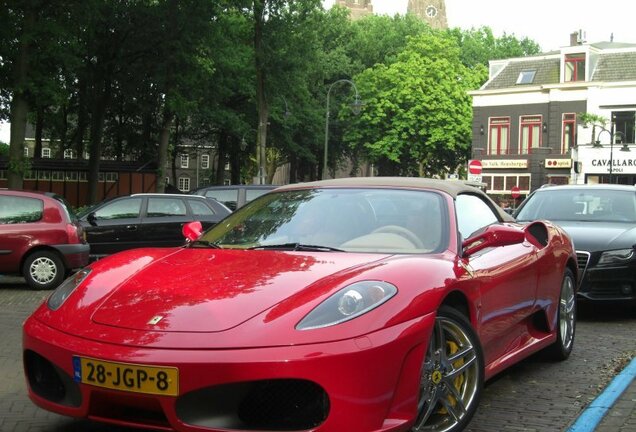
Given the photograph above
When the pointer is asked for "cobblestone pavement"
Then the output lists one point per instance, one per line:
(536, 395)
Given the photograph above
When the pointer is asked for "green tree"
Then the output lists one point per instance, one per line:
(479, 46)
(417, 118)
(32, 47)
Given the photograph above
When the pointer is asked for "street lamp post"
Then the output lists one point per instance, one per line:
(356, 106)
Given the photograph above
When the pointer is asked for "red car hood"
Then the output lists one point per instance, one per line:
(203, 290)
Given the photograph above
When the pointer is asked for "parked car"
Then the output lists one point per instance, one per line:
(234, 196)
(379, 302)
(40, 238)
(146, 220)
(601, 219)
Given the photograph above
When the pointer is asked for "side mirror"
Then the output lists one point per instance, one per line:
(192, 230)
(91, 219)
(493, 236)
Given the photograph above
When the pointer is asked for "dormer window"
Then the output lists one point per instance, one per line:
(574, 67)
(526, 76)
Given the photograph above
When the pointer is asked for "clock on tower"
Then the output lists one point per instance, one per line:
(431, 11)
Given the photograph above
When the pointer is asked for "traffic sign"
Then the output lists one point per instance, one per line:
(474, 167)
(515, 192)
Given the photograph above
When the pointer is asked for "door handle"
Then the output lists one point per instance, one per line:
(131, 227)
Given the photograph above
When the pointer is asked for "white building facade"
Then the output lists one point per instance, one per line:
(528, 125)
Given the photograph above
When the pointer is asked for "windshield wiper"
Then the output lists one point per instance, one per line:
(298, 247)
(205, 243)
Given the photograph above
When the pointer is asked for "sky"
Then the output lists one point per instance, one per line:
(547, 22)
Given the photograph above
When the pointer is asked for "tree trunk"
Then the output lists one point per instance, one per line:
(39, 127)
(103, 84)
(164, 141)
(219, 178)
(20, 106)
(262, 106)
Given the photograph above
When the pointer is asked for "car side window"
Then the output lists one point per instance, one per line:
(199, 208)
(121, 209)
(473, 214)
(252, 194)
(20, 210)
(229, 197)
(159, 207)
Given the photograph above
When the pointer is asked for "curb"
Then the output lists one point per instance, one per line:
(595, 411)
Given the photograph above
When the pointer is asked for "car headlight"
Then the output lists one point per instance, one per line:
(64, 291)
(348, 303)
(618, 256)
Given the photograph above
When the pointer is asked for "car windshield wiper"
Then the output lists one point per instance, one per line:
(298, 247)
(205, 243)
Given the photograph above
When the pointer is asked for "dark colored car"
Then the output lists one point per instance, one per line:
(235, 196)
(146, 220)
(40, 238)
(601, 220)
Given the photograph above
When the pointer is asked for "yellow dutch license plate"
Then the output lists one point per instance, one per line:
(127, 376)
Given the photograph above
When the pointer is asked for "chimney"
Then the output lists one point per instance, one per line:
(574, 38)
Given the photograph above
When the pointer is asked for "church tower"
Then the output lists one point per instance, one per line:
(358, 8)
(431, 11)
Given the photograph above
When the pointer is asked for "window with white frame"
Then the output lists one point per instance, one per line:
(498, 135)
(185, 161)
(503, 183)
(205, 161)
(568, 137)
(184, 184)
(69, 154)
(529, 133)
(526, 76)
(46, 152)
(26, 151)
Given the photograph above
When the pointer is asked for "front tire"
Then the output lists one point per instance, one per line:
(452, 375)
(43, 270)
(566, 319)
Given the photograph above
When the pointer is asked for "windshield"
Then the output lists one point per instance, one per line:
(361, 220)
(603, 205)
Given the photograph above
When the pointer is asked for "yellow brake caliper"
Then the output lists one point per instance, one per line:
(459, 379)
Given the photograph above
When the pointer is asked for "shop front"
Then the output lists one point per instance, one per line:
(595, 166)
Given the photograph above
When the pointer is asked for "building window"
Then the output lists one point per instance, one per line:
(184, 184)
(185, 161)
(111, 176)
(568, 138)
(44, 175)
(574, 67)
(46, 152)
(498, 135)
(26, 151)
(71, 176)
(624, 126)
(530, 133)
(69, 154)
(3, 174)
(205, 161)
(227, 166)
(503, 183)
(57, 175)
(526, 77)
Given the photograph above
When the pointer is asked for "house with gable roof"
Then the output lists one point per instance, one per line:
(527, 128)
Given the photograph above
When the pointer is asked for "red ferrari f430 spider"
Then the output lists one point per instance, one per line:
(347, 305)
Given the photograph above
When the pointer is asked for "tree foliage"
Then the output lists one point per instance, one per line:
(146, 80)
(417, 118)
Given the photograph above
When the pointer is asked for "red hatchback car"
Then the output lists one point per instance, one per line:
(40, 238)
